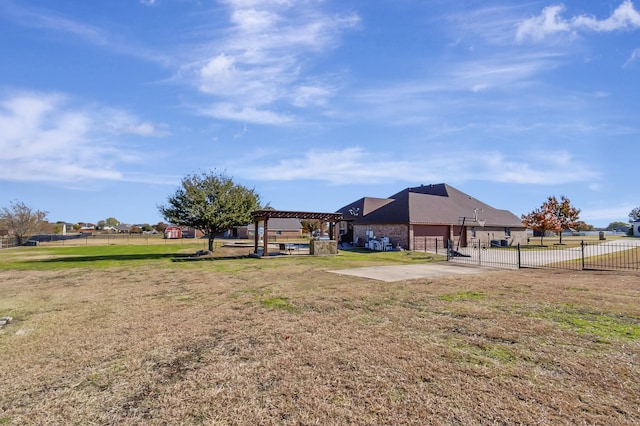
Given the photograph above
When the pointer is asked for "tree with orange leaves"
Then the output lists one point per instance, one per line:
(567, 214)
(552, 215)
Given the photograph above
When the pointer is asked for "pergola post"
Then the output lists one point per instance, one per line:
(265, 237)
(256, 236)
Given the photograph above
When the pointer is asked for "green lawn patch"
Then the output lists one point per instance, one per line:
(463, 295)
(604, 325)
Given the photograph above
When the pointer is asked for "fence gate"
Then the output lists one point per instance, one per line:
(481, 253)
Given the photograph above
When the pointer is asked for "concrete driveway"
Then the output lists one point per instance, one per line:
(410, 272)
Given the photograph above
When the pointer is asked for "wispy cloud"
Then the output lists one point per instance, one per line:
(49, 20)
(492, 24)
(550, 21)
(356, 165)
(246, 114)
(469, 85)
(621, 211)
(45, 139)
(263, 61)
(635, 55)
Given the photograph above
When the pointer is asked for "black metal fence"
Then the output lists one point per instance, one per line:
(584, 256)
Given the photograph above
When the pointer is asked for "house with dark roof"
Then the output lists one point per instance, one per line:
(427, 215)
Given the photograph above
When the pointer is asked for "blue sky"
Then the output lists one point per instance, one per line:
(105, 106)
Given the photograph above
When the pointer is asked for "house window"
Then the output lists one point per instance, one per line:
(473, 232)
(278, 232)
(507, 232)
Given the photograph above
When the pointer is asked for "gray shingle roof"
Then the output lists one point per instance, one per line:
(281, 224)
(439, 204)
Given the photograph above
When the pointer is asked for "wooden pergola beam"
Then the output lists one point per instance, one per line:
(265, 215)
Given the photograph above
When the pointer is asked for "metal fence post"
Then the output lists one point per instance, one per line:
(519, 257)
(582, 249)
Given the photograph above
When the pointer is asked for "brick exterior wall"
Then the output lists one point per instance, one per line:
(397, 234)
(486, 234)
(400, 235)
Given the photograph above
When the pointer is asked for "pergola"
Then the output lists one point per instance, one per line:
(265, 215)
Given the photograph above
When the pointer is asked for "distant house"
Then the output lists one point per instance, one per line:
(188, 232)
(86, 228)
(123, 228)
(172, 232)
(279, 228)
(437, 213)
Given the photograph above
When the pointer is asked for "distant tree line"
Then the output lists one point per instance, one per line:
(212, 203)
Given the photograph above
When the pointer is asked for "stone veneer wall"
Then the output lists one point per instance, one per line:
(323, 248)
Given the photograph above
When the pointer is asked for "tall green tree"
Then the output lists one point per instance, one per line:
(583, 226)
(112, 221)
(211, 203)
(22, 220)
(617, 226)
(310, 226)
(634, 215)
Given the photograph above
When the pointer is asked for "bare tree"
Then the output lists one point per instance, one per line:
(22, 221)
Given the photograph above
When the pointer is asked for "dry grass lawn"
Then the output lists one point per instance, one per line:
(281, 341)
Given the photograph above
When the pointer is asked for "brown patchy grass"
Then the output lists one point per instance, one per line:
(281, 341)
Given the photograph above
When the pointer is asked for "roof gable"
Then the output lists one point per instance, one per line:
(439, 189)
(438, 204)
(363, 207)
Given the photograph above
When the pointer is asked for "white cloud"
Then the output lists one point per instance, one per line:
(225, 111)
(625, 17)
(44, 139)
(550, 21)
(46, 19)
(306, 95)
(356, 165)
(252, 20)
(263, 60)
(487, 84)
(614, 213)
(120, 122)
(635, 55)
(148, 2)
